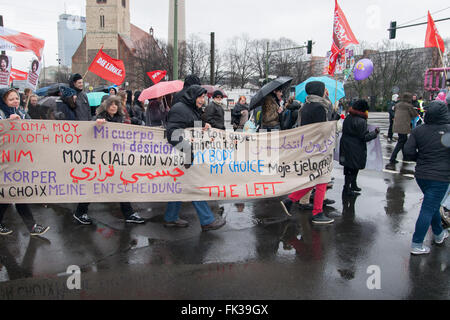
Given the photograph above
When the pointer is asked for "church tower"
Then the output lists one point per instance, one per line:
(105, 19)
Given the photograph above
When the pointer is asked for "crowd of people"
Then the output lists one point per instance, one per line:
(425, 125)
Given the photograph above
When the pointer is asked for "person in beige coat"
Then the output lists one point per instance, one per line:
(404, 113)
(271, 110)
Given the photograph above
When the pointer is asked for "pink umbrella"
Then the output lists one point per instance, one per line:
(161, 89)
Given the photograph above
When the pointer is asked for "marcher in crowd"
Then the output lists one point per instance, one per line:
(391, 111)
(155, 115)
(404, 113)
(315, 110)
(10, 103)
(188, 81)
(83, 109)
(290, 117)
(66, 104)
(353, 146)
(138, 109)
(110, 110)
(183, 115)
(35, 110)
(122, 95)
(271, 110)
(214, 112)
(432, 173)
(240, 114)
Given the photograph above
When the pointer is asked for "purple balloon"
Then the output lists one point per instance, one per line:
(363, 69)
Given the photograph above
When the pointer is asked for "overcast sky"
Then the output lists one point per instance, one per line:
(299, 20)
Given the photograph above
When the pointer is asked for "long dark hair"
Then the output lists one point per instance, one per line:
(136, 99)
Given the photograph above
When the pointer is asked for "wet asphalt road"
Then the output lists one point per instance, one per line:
(259, 254)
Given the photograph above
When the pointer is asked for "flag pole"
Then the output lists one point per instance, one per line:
(442, 58)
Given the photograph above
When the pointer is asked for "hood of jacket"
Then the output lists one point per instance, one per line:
(191, 95)
(437, 113)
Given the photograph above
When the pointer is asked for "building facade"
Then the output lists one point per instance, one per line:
(71, 31)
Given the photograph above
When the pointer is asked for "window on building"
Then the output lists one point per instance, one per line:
(124, 3)
(102, 22)
(101, 1)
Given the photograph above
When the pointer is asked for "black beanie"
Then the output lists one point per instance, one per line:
(76, 77)
(361, 105)
(316, 88)
(217, 93)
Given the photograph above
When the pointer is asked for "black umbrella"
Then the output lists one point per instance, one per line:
(258, 98)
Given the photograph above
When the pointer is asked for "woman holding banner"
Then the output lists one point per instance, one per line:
(11, 101)
(110, 110)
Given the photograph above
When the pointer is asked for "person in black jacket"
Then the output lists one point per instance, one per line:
(353, 146)
(214, 112)
(315, 110)
(391, 111)
(138, 109)
(110, 110)
(240, 114)
(83, 109)
(425, 146)
(183, 115)
(188, 81)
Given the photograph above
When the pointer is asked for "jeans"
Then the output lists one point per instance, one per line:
(390, 132)
(125, 207)
(402, 138)
(270, 129)
(318, 197)
(434, 192)
(24, 212)
(205, 215)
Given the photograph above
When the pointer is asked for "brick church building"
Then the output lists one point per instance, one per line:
(108, 26)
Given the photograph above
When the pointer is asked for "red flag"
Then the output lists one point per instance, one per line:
(432, 38)
(342, 37)
(20, 41)
(107, 68)
(157, 76)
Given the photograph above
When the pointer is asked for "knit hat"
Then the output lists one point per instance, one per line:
(441, 96)
(361, 105)
(75, 77)
(67, 92)
(316, 88)
(217, 93)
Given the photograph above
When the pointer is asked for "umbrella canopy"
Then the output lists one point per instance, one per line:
(161, 89)
(50, 90)
(210, 90)
(335, 94)
(278, 83)
(95, 98)
(49, 102)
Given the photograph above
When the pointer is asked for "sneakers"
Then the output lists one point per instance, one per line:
(177, 224)
(417, 250)
(4, 231)
(445, 216)
(83, 219)
(286, 204)
(38, 230)
(327, 202)
(440, 239)
(320, 218)
(135, 218)
(308, 206)
(217, 224)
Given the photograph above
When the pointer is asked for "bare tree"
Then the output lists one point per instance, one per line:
(241, 68)
(197, 58)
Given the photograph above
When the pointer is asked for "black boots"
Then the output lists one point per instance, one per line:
(350, 187)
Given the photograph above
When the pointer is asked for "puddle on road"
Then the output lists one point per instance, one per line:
(240, 216)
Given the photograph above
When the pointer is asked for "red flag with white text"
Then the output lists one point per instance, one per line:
(107, 68)
(432, 37)
(157, 76)
(342, 37)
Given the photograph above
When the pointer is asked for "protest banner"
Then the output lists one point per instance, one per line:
(44, 161)
(33, 74)
(5, 70)
(107, 68)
